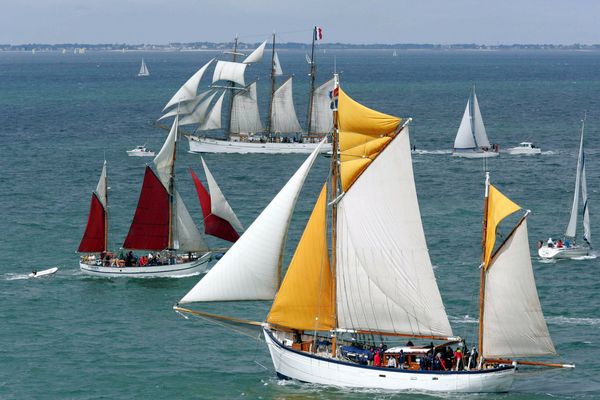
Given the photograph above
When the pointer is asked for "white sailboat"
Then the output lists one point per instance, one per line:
(143, 69)
(568, 248)
(471, 139)
(244, 130)
(161, 224)
(378, 279)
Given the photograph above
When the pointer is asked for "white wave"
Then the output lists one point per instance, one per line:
(548, 153)
(465, 319)
(560, 320)
(590, 256)
(435, 152)
(15, 277)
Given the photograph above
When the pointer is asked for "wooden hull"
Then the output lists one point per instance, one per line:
(311, 368)
(159, 271)
(207, 145)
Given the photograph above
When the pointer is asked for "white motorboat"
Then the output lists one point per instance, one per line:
(471, 139)
(568, 248)
(380, 283)
(46, 272)
(524, 148)
(140, 151)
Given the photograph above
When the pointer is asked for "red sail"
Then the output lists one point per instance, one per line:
(93, 240)
(150, 227)
(213, 224)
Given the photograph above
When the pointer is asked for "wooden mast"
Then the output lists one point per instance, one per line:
(232, 86)
(269, 116)
(334, 195)
(483, 266)
(313, 71)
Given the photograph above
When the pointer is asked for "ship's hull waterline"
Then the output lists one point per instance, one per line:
(207, 145)
(195, 267)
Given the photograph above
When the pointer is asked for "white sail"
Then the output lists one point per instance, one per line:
(587, 231)
(385, 279)
(321, 119)
(244, 113)
(186, 235)
(248, 271)
(478, 127)
(464, 136)
(164, 160)
(277, 71)
(283, 115)
(513, 322)
(101, 187)
(230, 71)
(143, 69)
(213, 120)
(189, 88)
(572, 226)
(256, 55)
(218, 204)
(186, 107)
(200, 112)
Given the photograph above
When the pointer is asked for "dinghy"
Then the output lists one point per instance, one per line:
(568, 248)
(46, 272)
(377, 280)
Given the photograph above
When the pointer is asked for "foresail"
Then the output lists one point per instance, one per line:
(464, 136)
(277, 65)
(283, 116)
(230, 71)
(244, 113)
(213, 119)
(385, 279)
(513, 322)
(164, 160)
(248, 271)
(101, 189)
(186, 235)
(478, 127)
(200, 112)
(321, 120)
(186, 107)
(189, 88)
(256, 55)
(219, 205)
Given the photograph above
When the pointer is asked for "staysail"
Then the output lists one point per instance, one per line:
(249, 269)
(189, 88)
(464, 137)
(213, 119)
(321, 115)
(277, 71)
(256, 55)
(186, 107)
(244, 113)
(95, 236)
(200, 113)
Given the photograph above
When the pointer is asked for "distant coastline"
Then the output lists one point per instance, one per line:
(208, 46)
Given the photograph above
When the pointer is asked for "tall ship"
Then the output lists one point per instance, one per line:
(244, 131)
(377, 280)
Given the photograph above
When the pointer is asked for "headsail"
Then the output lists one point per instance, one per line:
(249, 269)
(189, 88)
(277, 71)
(219, 205)
(464, 136)
(200, 113)
(95, 236)
(256, 55)
(244, 113)
(187, 106)
(213, 119)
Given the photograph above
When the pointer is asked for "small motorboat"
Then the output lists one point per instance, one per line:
(140, 151)
(524, 148)
(38, 274)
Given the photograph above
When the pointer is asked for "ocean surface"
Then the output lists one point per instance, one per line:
(75, 337)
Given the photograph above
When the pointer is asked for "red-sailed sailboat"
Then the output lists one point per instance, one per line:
(161, 225)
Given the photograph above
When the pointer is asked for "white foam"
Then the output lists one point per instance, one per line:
(15, 277)
(573, 321)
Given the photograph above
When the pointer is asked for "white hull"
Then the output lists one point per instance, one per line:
(45, 272)
(304, 367)
(520, 150)
(134, 153)
(165, 271)
(207, 145)
(563, 253)
(474, 154)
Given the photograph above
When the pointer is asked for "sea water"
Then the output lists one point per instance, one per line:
(72, 336)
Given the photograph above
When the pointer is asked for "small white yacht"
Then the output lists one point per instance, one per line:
(140, 151)
(524, 148)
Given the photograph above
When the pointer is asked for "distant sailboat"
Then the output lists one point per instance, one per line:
(471, 139)
(394, 54)
(144, 69)
(568, 248)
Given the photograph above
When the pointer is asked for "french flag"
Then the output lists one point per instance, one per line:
(318, 34)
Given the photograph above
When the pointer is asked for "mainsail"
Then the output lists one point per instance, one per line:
(283, 116)
(95, 237)
(478, 127)
(321, 115)
(189, 88)
(250, 268)
(244, 113)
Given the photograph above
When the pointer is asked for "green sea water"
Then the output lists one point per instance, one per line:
(71, 336)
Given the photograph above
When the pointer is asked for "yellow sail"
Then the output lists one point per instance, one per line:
(363, 133)
(305, 299)
(499, 207)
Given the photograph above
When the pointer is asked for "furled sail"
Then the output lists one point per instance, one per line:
(149, 229)
(464, 136)
(213, 224)
(94, 238)
(189, 88)
(305, 299)
(513, 322)
(385, 280)
(283, 115)
(244, 113)
(213, 119)
(478, 127)
(230, 71)
(572, 226)
(277, 71)
(248, 271)
(321, 119)
(186, 107)
(256, 55)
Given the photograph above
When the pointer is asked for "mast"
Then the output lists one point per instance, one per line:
(313, 70)
(269, 116)
(334, 195)
(483, 266)
(232, 86)
(172, 206)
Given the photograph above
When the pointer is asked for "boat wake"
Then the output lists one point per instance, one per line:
(573, 321)
(15, 277)
(548, 153)
(465, 319)
(590, 256)
(434, 152)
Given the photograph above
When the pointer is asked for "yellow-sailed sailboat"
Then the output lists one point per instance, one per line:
(376, 279)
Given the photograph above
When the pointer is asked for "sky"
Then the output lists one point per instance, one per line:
(347, 21)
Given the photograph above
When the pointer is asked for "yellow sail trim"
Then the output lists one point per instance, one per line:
(499, 207)
(363, 133)
(305, 299)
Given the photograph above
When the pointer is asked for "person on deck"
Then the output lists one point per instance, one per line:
(401, 359)
(559, 244)
(376, 360)
(550, 243)
(473, 358)
(392, 362)
(458, 357)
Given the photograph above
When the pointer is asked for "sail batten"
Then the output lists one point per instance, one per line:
(283, 115)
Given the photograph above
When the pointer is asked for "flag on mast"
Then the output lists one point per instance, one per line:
(318, 33)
